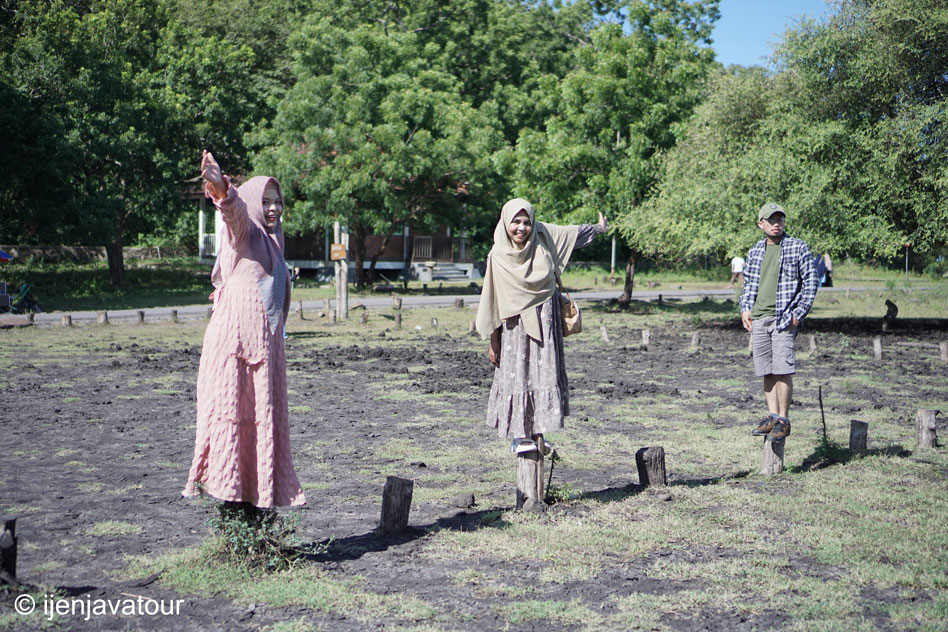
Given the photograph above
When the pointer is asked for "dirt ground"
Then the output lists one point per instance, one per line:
(101, 429)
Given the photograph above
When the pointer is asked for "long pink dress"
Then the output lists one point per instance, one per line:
(242, 449)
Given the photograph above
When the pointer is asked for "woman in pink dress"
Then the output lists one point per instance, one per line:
(242, 449)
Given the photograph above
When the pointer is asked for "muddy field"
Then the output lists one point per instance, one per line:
(98, 429)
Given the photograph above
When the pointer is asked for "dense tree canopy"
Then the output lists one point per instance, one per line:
(848, 133)
(424, 113)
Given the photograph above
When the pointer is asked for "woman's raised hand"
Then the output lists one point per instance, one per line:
(211, 172)
(603, 224)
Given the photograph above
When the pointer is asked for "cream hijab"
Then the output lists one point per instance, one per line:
(518, 280)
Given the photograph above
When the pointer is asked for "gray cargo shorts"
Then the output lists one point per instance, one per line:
(773, 350)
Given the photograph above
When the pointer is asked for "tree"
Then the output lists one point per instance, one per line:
(848, 134)
(376, 135)
(629, 91)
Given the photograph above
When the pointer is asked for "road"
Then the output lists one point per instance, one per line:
(194, 312)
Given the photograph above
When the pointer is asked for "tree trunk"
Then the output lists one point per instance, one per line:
(410, 249)
(629, 276)
(357, 244)
(376, 255)
(113, 251)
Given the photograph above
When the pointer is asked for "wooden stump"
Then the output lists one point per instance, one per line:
(812, 339)
(650, 463)
(327, 305)
(31, 317)
(67, 320)
(530, 480)
(398, 320)
(434, 323)
(773, 457)
(659, 299)
(102, 317)
(605, 334)
(299, 310)
(858, 436)
(472, 327)
(397, 303)
(925, 433)
(8, 549)
(365, 317)
(210, 312)
(459, 303)
(332, 316)
(174, 315)
(396, 503)
(877, 348)
(695, 339)
(646, 334)
(943, 347)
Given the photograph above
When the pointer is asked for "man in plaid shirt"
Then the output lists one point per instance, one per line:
(779, 287)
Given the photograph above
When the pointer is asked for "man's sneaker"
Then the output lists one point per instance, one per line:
(781, 429)
(765, 426)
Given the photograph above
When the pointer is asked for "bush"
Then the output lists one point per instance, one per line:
(257, 538)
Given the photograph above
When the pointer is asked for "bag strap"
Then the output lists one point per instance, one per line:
(563, 290)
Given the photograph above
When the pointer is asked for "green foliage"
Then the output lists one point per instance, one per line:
(623, 100)
(374, 133)
(847, 134)
(256, 538)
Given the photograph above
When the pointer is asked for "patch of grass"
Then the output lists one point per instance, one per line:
(197, 571)
(113, 527)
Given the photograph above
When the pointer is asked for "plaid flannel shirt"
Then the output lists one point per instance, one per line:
(796, 283)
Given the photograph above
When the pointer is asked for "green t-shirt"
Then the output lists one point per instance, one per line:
(766, 303)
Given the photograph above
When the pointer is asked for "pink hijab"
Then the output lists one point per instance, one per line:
(261, 246)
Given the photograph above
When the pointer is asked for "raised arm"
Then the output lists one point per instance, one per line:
(218, 187)
(588, 232)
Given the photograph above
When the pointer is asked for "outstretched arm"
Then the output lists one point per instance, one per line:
(588, 232)
(218, 187)
(213, 178)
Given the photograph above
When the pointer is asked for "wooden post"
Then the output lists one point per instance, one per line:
(174, 315)
(877, 348)
(141, 316)
(102, 317)
(472, 327)
(397, 302)
(773, 457)
(858, 436)
(365, 317)
(646, 334)
(943, 347)
(659, 299)
(299, 310)
(530, 480)
(434, 323)
(605, 334)
(812, 339)
(695, 339)
(650, 463)
(67, 320)
(398, 320)
(396, 503)
(210, 312)
(31, 317)
(459, 303)
(328, 305)
(332, 316)
(925, 433)
(7, 549)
